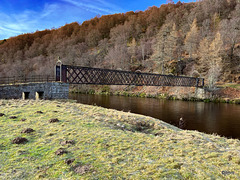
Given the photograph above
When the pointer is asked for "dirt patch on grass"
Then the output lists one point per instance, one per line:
(142, 126)
(50, 134)
(13, 117)
(61, 151)
(27, 130)
(67, 142)
(1, 114)
(69, 161)
(19, 140)
(53, 120)
(135, 125)
(83, 169)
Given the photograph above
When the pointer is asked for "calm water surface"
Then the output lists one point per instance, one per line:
(222, 119)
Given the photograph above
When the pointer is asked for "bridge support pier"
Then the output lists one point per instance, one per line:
(49, 90)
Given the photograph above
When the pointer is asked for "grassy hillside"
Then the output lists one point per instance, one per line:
(90, 142)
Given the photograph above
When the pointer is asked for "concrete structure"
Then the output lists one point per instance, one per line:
(49, 90)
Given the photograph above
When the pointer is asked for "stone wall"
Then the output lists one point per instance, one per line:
(49, 90)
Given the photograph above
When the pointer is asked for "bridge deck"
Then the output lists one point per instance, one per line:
(87, 75)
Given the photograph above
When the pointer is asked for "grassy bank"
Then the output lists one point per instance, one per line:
(75, 141)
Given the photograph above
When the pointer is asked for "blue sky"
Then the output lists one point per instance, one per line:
(27, 16)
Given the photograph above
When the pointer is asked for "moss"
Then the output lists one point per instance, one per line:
(223, 101)
(117, 93)
(162, 96)
(142, 95)
(206, 100)
(91, 91)
(151, 96)
(237, 101)
(125, 93)
(105, 89)
(194, 99)
(171, 98)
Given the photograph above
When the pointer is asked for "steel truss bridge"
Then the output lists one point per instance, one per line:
(98, 76)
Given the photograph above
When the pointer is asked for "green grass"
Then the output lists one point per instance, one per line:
(232, 85)
(112, 144)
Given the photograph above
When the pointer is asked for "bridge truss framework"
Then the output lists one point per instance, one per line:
(98, 76)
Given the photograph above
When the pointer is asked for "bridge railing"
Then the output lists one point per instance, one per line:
(26, 79)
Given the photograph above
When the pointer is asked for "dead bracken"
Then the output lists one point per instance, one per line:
(28, 130)
(53, 120)
(60, 151)
(19, 140)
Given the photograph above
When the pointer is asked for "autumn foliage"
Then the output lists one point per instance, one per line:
(203, 35)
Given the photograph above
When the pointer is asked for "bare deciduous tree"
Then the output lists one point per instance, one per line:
(117, 57)
(160, 55)
(230, 30)
(210, 58)
(192, 39)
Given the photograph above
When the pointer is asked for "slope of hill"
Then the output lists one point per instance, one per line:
(63, 140)
(196, 39)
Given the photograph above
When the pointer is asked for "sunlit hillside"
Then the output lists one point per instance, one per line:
(194, 39)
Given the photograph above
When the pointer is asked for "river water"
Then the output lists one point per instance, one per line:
(219, 118)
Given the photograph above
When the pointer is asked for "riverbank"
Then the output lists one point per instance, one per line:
(66, 140)
(223, 94)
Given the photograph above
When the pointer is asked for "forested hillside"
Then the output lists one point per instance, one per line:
(194, 39)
